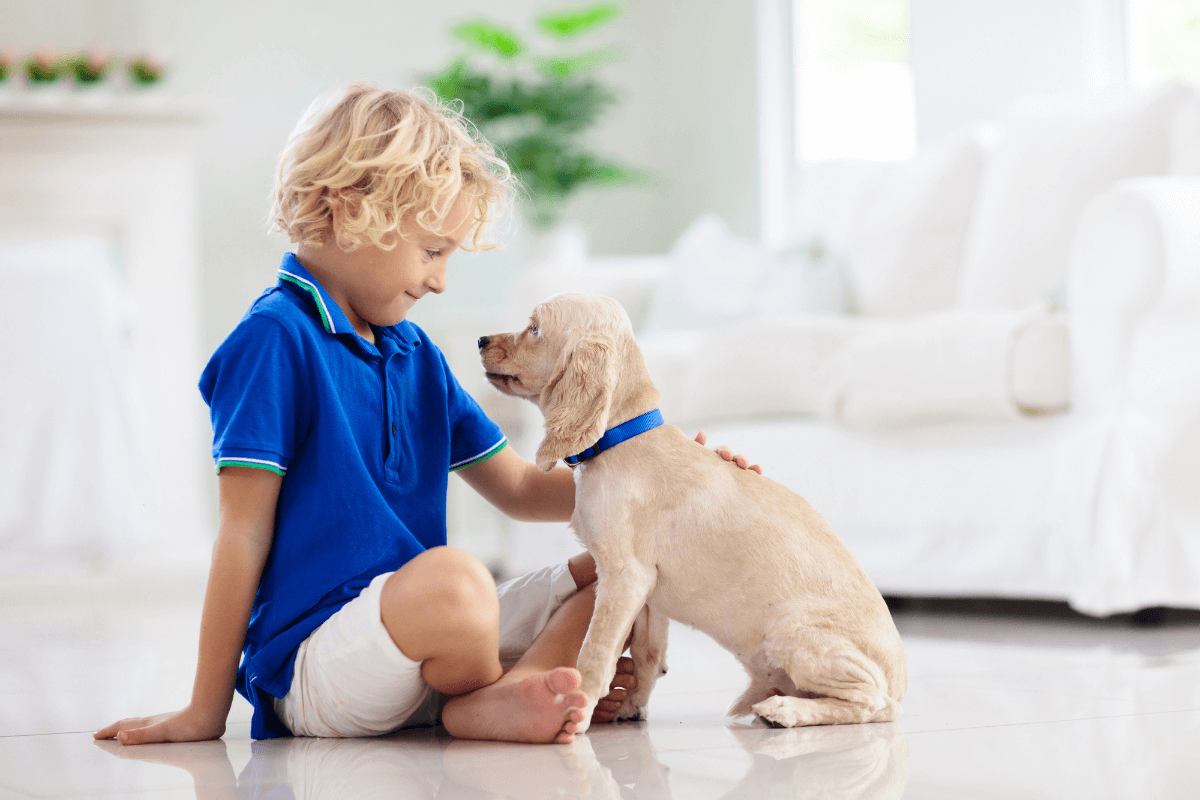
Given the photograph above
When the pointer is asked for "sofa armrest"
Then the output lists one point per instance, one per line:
(1134, 290)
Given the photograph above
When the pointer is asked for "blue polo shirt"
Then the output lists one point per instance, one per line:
(364, 436)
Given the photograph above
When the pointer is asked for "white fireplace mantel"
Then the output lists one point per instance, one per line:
(125, 168)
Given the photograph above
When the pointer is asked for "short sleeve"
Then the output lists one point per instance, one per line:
(253, 385)
(474, 438)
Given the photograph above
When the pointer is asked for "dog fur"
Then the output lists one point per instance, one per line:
(678, 532)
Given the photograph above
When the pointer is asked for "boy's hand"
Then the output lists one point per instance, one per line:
(175, 726)
(727, 454)
(623, 682)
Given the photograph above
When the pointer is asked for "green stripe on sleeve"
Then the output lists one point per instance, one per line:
(482, 458)
(233, 462)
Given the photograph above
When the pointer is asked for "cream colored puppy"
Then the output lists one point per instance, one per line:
(678, 532)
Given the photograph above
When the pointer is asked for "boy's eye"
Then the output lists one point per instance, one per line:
(433, 253)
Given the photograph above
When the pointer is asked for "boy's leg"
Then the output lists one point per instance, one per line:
(477, 715)
(441, 610)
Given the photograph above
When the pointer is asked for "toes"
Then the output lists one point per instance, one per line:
(563, 680)
(575, 700)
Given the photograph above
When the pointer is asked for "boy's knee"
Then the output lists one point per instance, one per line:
(447, 587)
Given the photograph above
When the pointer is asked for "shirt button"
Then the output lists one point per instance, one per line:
(393, 427)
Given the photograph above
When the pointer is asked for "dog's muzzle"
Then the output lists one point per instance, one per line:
(483, 341)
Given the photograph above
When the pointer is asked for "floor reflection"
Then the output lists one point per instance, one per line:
(618, 763)
(832, 762)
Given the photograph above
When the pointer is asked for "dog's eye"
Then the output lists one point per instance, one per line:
(533, 328)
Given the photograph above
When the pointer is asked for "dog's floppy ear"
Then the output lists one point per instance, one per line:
(577, 399)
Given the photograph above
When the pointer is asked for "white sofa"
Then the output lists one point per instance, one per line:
(978, 427)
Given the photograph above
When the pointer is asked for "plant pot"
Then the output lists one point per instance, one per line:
(562, 247)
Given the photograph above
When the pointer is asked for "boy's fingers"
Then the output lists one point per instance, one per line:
(150, 735)
(738, 459)
(624, 665)
(109, 731)
(624, 680)
(702, 438)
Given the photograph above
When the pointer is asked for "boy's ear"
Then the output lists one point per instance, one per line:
(577, 400)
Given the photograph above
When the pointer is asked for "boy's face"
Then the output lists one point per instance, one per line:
(382, 285)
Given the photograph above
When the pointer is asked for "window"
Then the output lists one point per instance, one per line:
(1163, 40)
(853, 84)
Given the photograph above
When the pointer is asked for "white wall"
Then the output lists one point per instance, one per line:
(689, 116)
(971, 58)
(688, 112)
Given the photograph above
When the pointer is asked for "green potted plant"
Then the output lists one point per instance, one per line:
(89, 68)
(536, 98)
(145, 70)
(43, 68)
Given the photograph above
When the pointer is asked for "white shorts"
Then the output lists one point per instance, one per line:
(350, 679)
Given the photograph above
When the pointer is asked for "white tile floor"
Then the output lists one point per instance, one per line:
(997, 708)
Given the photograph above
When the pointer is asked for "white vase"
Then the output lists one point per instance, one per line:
(563, 247)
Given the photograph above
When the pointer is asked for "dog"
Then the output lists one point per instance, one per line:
(679, 533)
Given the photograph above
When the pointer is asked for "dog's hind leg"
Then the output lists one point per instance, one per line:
(762, 685)
(839, 685)
(649, 652)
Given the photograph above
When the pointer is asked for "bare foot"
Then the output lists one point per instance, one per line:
(542, 707)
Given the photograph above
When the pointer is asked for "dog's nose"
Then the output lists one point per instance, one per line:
(483, 340)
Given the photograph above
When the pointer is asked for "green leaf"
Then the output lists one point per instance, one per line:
(569, 106)
(563, 67)
(565, 24)
(490, 37)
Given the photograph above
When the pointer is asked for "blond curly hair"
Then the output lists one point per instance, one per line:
(382, 156)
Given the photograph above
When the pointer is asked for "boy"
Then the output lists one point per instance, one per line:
(336, 423)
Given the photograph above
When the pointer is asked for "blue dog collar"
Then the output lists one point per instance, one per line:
(614, 436)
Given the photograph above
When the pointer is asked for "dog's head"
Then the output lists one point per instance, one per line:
(568, 362)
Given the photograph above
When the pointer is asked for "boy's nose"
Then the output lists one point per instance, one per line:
(436, 280)
(483, 340)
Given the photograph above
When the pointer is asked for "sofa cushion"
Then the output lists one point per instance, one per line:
(953, 364)
(715, 277)
(755, 368)
(907, 237)
(1052, 159)
(866, 372)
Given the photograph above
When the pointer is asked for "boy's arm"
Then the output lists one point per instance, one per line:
(524, 492)
(246, 528)
(521, 490)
